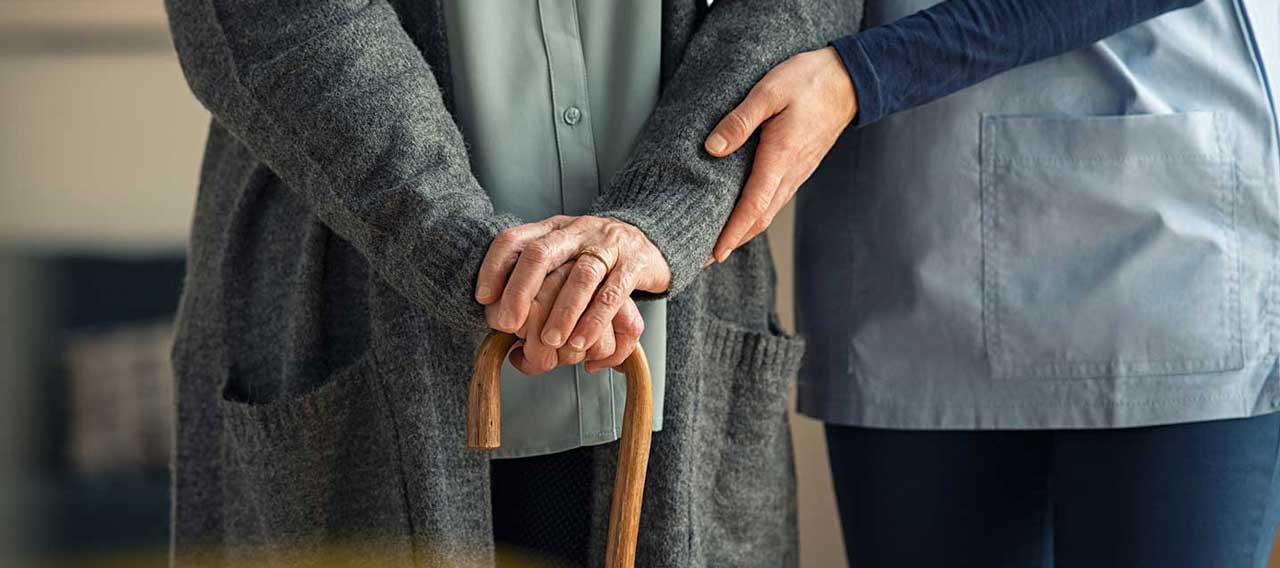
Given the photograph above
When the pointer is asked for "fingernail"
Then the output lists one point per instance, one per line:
(578, 343)
(710, 261)
(504, 318)
(551, 338)
(716, 143)
(484, 292)
(590, 369)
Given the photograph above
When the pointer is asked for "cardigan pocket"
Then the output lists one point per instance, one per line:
(316, 479)
(1109, 246)
(744, 503)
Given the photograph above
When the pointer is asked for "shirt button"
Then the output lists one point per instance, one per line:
(572, 115)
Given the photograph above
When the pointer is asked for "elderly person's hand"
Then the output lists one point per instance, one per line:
(610, 260)
(807, 101)
(532, 356)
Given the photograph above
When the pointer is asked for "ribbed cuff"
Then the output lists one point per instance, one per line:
(866, 82)
(450, 258)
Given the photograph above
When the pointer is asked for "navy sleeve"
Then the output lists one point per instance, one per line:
(958, 43)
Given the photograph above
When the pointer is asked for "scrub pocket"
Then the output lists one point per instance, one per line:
(1109, 246)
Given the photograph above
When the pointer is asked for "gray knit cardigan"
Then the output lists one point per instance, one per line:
(327, 324)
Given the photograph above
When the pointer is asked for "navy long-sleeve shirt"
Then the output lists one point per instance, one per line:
(958, 43)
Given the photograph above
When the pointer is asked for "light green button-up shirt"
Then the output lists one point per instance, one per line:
(550, 95)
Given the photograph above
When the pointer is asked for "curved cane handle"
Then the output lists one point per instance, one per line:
(484, 431)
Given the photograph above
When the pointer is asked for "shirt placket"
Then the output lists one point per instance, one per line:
(579, 180)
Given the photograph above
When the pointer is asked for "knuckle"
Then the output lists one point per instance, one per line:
(628, 273)
(589, 269)
(546, 361)
(759, 204)
(615, 231)
(598, 320)
(611, 296)
(605, 346)
(737, 123)
(631, 328)
(635, 326)
(565, 314)
(538, 252)
(516, 294)
(506, 238)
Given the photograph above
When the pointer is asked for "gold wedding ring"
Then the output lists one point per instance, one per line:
(598, 256)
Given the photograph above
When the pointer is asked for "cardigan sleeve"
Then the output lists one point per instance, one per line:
(960, 43)
(670, 188)
(334, 97)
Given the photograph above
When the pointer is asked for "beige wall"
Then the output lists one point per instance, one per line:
(97, 150)
(820, 541)
(101, 138)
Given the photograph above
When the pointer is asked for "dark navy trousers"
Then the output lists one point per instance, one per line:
(1201, 495)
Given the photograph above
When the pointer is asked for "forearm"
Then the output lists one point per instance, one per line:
(959, 43)
(339, 103)
(671, 189)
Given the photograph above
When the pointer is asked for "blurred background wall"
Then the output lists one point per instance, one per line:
(99, 152)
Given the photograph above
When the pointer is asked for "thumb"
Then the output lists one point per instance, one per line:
(733, 130)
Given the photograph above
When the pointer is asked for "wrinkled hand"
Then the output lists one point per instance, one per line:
(608, 259)
(808, 100)
(533, 357)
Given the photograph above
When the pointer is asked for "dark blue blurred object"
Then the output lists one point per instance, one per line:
(72, 515)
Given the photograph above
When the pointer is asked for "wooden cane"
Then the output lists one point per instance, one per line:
(484, 431)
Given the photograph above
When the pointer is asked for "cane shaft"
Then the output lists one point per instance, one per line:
(484, 430)
(633, 462)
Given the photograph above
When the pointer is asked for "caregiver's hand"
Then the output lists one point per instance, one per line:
(611, 259)
(808, 100)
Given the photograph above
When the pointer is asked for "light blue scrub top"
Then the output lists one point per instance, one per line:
(1091, 241)
(550, 96)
